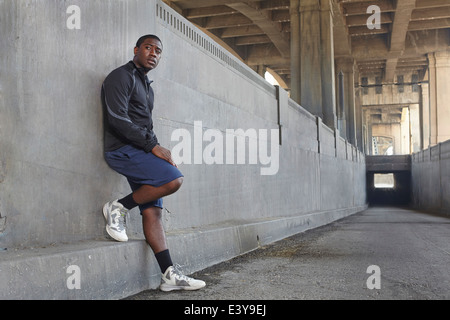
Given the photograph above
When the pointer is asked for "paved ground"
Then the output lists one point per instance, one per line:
(411, 250)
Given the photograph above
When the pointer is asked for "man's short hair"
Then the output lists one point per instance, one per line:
(147, 36)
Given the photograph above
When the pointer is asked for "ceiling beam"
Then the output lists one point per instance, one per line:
(359, 31)
(207, 12)
(431, 3)
(429, 24)
(431, 13)
(270, 28)
(243, 31)
(218, 22)
(183, 4)
(361, 20)
(245, 41)
(400, 26)
(352, 8)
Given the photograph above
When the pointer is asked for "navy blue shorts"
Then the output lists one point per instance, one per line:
(142, 168)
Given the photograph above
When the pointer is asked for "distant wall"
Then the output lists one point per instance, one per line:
(53, 179)
(431, 178)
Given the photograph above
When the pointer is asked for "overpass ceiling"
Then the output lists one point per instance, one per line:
(259, 32)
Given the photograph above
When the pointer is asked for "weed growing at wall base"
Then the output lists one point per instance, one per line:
(234, 146)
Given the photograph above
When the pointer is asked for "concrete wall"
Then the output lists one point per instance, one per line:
(54, 181)
(431, 178)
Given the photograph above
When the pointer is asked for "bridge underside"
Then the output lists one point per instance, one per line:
(376, 70)
(261, 32)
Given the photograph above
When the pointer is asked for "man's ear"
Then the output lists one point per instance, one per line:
(136, 50)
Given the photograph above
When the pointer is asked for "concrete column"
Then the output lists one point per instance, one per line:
(341, 119)
(346, 66)
(327, 63)
(317, 91)
(369, 146)
(261, 69)
(425, 115)
(405, 133)
(439, 72)
(295, 50)
(414, 122)
(358, 115)
(432, 97)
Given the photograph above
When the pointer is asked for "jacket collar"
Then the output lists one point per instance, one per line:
(141, 71)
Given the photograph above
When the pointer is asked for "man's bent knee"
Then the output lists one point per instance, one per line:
(174, 185)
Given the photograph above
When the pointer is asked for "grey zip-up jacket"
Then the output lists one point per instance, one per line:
(127, 99)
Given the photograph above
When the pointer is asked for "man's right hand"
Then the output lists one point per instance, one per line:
(164, 154)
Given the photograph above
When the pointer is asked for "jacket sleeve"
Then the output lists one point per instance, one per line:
(117, 89)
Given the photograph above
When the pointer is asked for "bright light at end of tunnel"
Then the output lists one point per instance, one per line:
(386, 181)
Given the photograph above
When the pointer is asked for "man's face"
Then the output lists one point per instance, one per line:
(147, 56)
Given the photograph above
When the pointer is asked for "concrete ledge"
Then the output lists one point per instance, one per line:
(107, 270)
(388, 163)
(113, 270)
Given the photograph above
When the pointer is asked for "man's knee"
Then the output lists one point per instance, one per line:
(152, 213)
(174, 185)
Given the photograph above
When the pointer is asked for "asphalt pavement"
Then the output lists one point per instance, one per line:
(378, 254)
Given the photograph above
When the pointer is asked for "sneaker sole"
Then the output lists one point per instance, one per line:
(168, 287)
(113, 235)
(109, 230)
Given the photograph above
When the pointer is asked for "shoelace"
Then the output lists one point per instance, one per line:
(177, 270)
(121, 220)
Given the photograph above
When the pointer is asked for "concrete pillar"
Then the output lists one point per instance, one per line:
(425, 115)
(261, 69)
(295, 50)
(341, 121)
(439, 72)
(414, 122)
(346, 66)
(369, 145)
(327, 50)
(405, 132)
(359, 129)
(317, 90)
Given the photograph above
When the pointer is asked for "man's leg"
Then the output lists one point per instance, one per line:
(153, 229)
(115, 211)
(156, 237)
(147, 193)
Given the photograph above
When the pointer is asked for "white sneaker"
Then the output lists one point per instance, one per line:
(114, 213)
(173, 279)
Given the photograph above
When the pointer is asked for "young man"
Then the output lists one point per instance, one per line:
(132, 149)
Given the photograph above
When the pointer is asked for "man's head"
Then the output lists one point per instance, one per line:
(147, 52)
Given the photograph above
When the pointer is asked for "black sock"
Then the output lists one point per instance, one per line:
(164, 260)
(128, 202)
